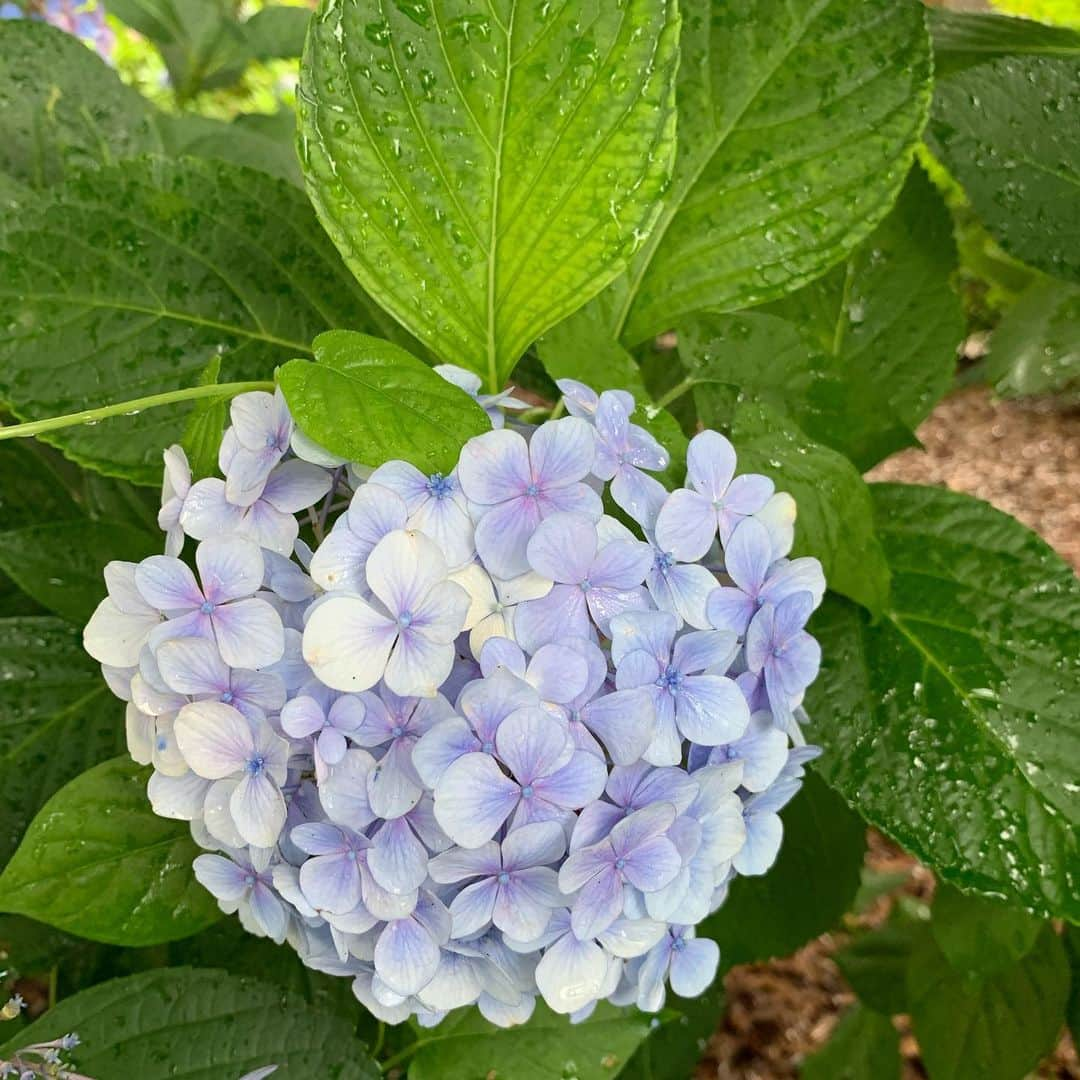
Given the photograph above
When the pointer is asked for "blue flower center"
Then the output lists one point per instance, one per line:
(162, 742)
(670, 680)
(227, 697)
(663, 561)
(249, 880)
(533, 490)
(620, 863)
(256, 765)
(778, 651)
(439, 486)
(679, 944)
(404, 620)
(206, 607)
(397, 731)
(504, 878)
(586, 585)
(527, 791)
(487, 746)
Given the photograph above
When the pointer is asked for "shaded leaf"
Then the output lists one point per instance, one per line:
(875, 964)
(978, 934)
(672, 1050)
(950, 724)
(205, 425)
(864, 1046)
(277, 32)
(486, 173)
(964, 38)
(98, 862)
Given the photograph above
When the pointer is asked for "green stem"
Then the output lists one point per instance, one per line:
(560, 408)
(380, 1038)
(129, 408)
(673, 394)
(404, 1055)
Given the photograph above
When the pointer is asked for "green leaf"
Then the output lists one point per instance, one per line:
(806, 892)
(368, 400)
(205, 424)
(963, 38)
(875, 964)
(864, 1046)
(98, 862)
(1009, 131)
(890, 323)
(60, 565)
(191, 1024)
(63, 107)
(1052, 12)
(57, 718)
(31, 491)
(673, 1049)
(466, 1047)
(950, 724)
(797, 122)
(978, 934)
(1035, 349)
(485, 173)
(1072, 1009)
(835, 516)
(995, 1027)
(277, 32)
(136, 276)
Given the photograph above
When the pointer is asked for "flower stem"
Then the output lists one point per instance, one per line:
(673, 394)
(129, 408)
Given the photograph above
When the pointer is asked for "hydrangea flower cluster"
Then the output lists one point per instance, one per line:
(479, 736)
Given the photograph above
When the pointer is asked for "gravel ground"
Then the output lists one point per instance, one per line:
(1024, 458)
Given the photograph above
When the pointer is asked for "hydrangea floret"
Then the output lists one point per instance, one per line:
(481, 736)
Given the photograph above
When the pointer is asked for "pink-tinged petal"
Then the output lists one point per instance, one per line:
(710, 464)
(532, 744)
(221, 877)
(693, 967)
(396, 859)
(229, 568)
(473, 798)
(331, 882)
(652, 864)
(538, 844)
(710, 710)
(406, 957)
(472, 908)
(214, 738)
(167, 584)
(343, 793)
(563, 547)
(115, 637)
(295, 485)
(686, 525)
(624, 722)
(562, 614)
(207, 512)
(572, 974)
(443, 744)
(494, 467)
(502, 536)
(347, 643)
(562, 452)
(192, 666)
(418, 666)
(576, 784)
(730, 609)
(258, 809)
(622, 564)
(559, 673)
(598, 904)
(441, 614)
(249, 633)
(525, 902)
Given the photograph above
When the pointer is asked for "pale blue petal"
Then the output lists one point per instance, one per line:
(473, 798)
(406, 958)
(693, 967)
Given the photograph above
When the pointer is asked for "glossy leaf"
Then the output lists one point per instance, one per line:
(465, 1046)
(673, 1049)
(486, 172)
(875, 964)
(864, 1046)
(57, 718)
(194, 1024)
(835, 517)
(819, 862)
(135, 276)
(1035, 349)
(797, 124)
(98, 862)
(60, 565)
(992, 1028)
(950, 724)
(964, 38)
(1009, 131)
(368, 400)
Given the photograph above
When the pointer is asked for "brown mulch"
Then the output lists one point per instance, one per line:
(1024, 458)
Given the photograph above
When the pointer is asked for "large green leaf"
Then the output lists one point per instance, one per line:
(962, 39)
(135, 276)
(835, 517)
(62, 108)
(277, 31)
(995, 1027)
(797, 123)
(57, 718)
(875, 964)
(60, 565)
(951, 723)
(864, 1046)
(98, 862)
(672, 1050)
(369, 400)
(466, 1047)
(981, 935)
(1009, 131)
(486, 172)
(197, 1024)
(819, 862)
(1072, 1009)
(1035, 349)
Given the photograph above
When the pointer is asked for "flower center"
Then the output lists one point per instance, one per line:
(527, 791)
(533, 490)
(670, 680)
(404, 620)
(620, 863)
(162, 742)
(227, 697)
(249, 880)
(586, 585)
(397, 731)
(206, 607)
(778, 651)
(679, 944)
(663, 561)
(256, 765)
(504, 878)
(439, 486)
(487, 746)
